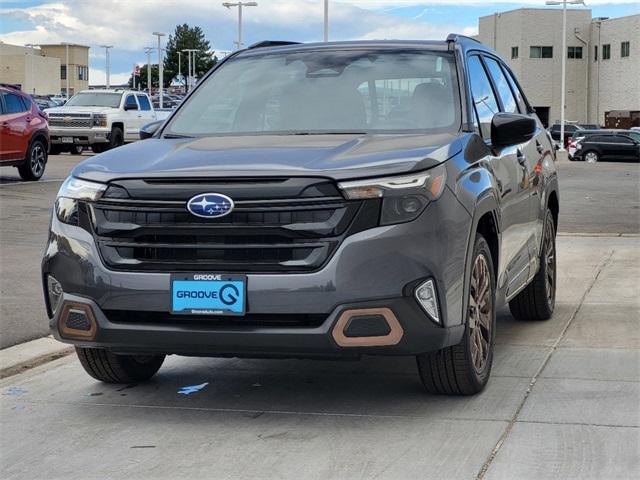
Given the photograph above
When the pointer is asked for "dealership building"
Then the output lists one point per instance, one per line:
(42, 69)
(602, 60)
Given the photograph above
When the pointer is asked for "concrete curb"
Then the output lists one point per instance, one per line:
(17, 359)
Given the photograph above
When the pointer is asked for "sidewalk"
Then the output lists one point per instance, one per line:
(563, 402)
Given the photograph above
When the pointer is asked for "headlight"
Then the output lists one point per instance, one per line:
(100, 120)
(404, 198)
(72, 190)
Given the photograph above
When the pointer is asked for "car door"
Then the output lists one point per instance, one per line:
(14, 127)
(146, 112)
(133, 118)
(512, 183)
(626, 148)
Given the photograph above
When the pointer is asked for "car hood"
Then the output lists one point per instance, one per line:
(335, 156)
(71, 109)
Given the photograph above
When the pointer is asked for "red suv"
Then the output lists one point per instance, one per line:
(24, 134)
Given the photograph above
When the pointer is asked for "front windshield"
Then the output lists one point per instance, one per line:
(313, 92)
(90, 99)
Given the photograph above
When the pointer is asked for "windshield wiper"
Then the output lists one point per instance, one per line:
(329, 133)
(176, 135)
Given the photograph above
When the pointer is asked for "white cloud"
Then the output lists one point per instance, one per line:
(99, 77)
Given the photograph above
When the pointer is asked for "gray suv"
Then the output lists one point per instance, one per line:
(314, 200)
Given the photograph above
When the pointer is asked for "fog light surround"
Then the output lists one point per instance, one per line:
(427, 297)
(55, 293)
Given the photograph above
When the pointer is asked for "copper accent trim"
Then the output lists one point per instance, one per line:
(72, 333)
(392, 338)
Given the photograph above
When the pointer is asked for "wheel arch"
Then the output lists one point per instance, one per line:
(40, 135)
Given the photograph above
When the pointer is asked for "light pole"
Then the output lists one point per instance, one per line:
(106, 51)
(239, 5)
(326, 21)
(148, 51)
(192, 67)
(179, 66)
(31, 47)
(160, 70)
(564, 62)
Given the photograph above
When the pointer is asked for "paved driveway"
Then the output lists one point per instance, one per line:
(563, 403)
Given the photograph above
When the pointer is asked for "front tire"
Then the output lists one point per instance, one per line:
(117, 138)
(33, 167)
(464, 369)
(108, 367)
(537, 301)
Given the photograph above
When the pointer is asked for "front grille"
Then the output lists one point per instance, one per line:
(248, 320)
(261, 234)
(71, 123)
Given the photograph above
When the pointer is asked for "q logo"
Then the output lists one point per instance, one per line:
(229, 294)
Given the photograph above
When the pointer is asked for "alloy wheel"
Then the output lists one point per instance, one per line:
(37, 160)
(591, 157)
(480, 313)
(550, 261)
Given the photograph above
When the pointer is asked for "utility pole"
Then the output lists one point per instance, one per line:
(180, 66)
(31, 47)
(160, 68)
(239, 5)
(148, 51)
(66, 68)
(106, 50)
(192, 66)
(564, 3)
(326, 21)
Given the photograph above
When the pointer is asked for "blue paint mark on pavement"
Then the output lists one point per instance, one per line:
(192, 389)
(15, 391)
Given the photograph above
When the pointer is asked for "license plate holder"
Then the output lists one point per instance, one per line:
(208, 294)
(67, 139)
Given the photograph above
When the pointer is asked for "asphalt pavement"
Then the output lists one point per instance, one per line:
(563, 400)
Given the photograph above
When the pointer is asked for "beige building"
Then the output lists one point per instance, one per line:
(26, 67)
(77, 58)
(530, 39)
(42, 69)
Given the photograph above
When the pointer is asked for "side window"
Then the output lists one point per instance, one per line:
(130, 103)
(144, 102)
(623, 139)
(509, 103)
(484, 99)
(13, 103)
(516, 90)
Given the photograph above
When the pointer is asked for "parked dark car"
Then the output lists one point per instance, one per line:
(24, 134)
(612, 145)
(569, 130)
(315, 200)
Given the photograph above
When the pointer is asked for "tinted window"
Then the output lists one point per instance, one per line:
(316, 91)
(131, 102)
(144, 102)
(541, 52)
(601, 139)
(622, 139)
(483, 97)
(502, 84)
(13, 103)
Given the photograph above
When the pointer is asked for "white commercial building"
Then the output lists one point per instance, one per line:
(603, 60)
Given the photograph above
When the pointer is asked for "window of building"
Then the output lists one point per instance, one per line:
(484, 99)
(501, 83)
(514, 52)
(574, 52)
(625, 48)
(144, 102)
(606, 51)
(595, 53)
(82, 72)
(541, 52)
(63, 72)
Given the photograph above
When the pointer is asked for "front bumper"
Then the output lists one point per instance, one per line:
(376, 268)
(81, 136)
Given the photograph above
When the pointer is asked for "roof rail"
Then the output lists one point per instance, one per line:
(271, 43)
(455, 37)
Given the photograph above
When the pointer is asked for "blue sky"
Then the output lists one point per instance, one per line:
(127, 24)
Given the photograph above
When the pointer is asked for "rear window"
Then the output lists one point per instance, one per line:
(322, 91)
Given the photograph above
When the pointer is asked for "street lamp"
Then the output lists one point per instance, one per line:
(32, 48)
(160, 70)
(148, 51)
(239, 5)
(192, 66)
(179, 66)
(564, 61)
(106, 50)
(326, 21)
(66, 68)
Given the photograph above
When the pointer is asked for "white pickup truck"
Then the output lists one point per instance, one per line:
(101, 119)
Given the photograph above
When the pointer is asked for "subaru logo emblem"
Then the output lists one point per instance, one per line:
(210, 205)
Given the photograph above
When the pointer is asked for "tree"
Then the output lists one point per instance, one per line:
(186, 37)
(141, 81)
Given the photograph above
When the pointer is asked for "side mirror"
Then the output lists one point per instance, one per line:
(128, 107)
(509, 129)
(150, 129)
